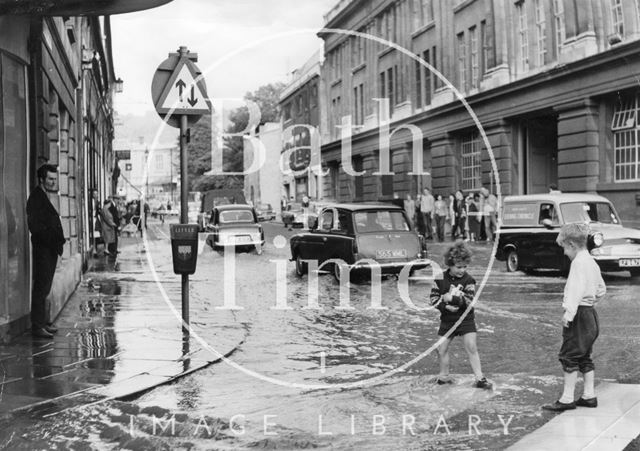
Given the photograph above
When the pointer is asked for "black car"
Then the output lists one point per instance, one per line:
(357, 233)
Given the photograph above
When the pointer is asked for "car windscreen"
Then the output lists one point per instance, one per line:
(380, 221)
(230, 216)
(520, 214)
(589, 212)
(294, 207)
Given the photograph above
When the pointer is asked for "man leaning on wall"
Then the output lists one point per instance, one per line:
(47, 239)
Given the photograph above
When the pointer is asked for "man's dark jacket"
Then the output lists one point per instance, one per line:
(44, 222)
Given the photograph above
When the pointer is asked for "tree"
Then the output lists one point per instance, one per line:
(266, 97)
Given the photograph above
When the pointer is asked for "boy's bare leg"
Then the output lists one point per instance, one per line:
(443, 352)
(589, 389)
(570, 380)
(472, 351)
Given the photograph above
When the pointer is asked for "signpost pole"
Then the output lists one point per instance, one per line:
(184, 212)
(180, 97)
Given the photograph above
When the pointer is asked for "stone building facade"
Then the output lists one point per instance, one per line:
(550, 85)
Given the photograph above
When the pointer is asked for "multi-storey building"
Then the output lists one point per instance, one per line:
(300, 103)
(552, 83)
(264, 185)
(148, 171)
(56, 85)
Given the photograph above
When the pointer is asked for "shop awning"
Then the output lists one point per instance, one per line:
(76, 7)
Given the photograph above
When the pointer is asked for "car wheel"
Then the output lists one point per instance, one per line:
(512, 261)
(336, 272)
(301, 267)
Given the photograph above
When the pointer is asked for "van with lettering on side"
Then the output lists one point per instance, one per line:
(530, 225)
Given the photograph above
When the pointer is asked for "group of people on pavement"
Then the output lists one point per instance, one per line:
(471, 217)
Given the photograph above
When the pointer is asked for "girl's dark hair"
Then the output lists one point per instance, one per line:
(457, 253)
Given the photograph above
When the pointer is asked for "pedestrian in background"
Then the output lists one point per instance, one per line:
(460, 214)
(410, 208)
(47, 238)
(108, 229)
(474, 218)
(583, 289)
(490, 215)
(452, 295)
(420, 226)
(452, 214)
(426, 208)
(115, 214)
(440, 214)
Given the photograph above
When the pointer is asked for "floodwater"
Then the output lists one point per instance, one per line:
(303, 377)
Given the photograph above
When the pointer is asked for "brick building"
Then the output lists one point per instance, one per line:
(553, 85)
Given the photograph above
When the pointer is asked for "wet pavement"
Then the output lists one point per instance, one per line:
(116, 337)
(267, 394)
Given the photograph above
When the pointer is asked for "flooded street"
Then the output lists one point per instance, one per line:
(301, 377)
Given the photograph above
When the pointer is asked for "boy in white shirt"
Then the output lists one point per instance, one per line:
(584, 288)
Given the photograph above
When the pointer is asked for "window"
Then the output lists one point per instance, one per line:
(523, 39)
(486, 35)
(287, 111)
(548, 211)
(475, 68)
(334, 168)
(386, 181)
(541, 40)
(422, 13)
(159, 162)
(470, 152)
(127, 166)
(387, 87)
(314, 96)
(358, 49)
(358, 104)
(462, 62)
(358, 180)
(616, 17)
(423, 81)
(626, 131)
(558, 15)
(588, 212)
(380, 221)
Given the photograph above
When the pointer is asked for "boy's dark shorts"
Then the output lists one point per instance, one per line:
(577, 341)
(465, 327)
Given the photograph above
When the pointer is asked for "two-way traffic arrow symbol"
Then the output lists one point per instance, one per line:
(193, 100)
(181, 85)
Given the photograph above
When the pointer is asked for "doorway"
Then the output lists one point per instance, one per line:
(539, 154)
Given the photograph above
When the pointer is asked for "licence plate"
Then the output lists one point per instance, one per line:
(241, 239)
(391, 253)
(629, 262)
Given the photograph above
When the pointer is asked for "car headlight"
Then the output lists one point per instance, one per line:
(598, 239)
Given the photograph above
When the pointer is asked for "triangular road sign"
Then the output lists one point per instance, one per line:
(182, 95)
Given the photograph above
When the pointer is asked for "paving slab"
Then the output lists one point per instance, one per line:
(610, 426)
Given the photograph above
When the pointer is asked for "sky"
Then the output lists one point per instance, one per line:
(236, 41)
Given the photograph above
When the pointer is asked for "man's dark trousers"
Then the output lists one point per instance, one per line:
(45, 260)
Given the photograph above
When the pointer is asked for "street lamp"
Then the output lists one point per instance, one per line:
(118, 85)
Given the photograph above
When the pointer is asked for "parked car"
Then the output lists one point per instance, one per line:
(265, 212)
(215, 197)
(531, 223)
(353, 232)
(295, 215)
(235, 225)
